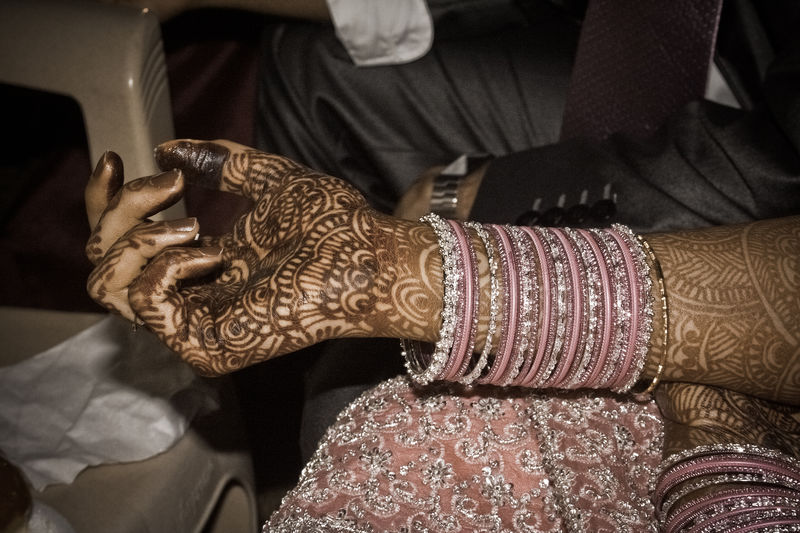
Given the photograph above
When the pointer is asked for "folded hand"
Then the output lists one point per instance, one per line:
(310, 261)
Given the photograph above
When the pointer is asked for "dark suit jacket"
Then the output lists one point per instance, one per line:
(708, 164)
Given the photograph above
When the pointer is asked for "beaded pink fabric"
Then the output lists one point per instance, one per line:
(453, 459)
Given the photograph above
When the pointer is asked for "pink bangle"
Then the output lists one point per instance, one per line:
(502, 266)
(527, 379)
(540, 310)
(605, 284)
(761, 477)
(646, 302)
(592, 311)
(769, 525)
(738, 500)
(511, 289)
(545, 360)
(634, 306)
(725, 463)
(465, 312)
(569, 355)
(454, 355)
(476, 290)
(563, 308)
(620, 326)
(526, 277)
(529, 331)
(641, 314)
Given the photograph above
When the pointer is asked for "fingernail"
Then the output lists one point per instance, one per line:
(166, 180)
(211, 250)
(100, 164)
(182, 224)
(108, 161)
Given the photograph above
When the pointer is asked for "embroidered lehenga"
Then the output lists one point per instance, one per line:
(445, 458)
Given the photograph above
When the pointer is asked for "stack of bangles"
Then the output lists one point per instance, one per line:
(728, 487)
(577, 308)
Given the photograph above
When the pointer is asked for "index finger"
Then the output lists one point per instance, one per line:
(105, 181)
(228, 166)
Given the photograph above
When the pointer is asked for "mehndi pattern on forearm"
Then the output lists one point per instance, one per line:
(734, 301)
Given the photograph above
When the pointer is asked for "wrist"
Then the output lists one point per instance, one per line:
(408, 282)
(569, 308)
(414, 265)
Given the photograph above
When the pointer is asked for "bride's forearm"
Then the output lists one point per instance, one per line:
(734, 307)
(733, 294)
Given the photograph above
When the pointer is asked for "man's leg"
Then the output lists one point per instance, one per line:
(485, 89)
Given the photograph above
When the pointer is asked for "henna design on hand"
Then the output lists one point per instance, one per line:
(124, 261)
(734, 295)
(310, 261)
(162, 190)
(700, 414)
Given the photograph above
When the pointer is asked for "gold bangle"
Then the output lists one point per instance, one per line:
(664, 310)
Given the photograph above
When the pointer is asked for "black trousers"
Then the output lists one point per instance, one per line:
(494, 82)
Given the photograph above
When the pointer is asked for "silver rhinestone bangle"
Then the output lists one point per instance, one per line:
(494, 291)
(529, 318)
(620, 308)
(424, 368)
(590, 280)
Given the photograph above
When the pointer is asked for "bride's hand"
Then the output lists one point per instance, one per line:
(698, 415)
(310, 261)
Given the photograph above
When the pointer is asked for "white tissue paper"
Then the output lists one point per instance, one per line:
(106, 395)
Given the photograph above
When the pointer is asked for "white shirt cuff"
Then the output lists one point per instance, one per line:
(382, 32)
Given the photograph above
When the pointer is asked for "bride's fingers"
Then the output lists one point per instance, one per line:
(108, 282)
(104, 183)
(131, 205)
(155, 297)
(229, 166)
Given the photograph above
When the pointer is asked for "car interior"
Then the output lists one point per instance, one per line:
(77, 79)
